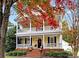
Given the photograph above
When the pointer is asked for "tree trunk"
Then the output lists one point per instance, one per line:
(1, 18)
(75, 51)
(3, 31)
(0, 13)
(3, 23)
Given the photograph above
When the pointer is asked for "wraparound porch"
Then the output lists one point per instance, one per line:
(46, 41)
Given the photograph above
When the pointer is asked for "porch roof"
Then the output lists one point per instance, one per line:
(33, 33)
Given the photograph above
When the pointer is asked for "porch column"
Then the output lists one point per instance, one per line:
(60, 20)
(30, 41)
(30, 31)
(30, 25)
(60, 23)
(43, 25)
(60, 42)
(43, 41)
(17, 27)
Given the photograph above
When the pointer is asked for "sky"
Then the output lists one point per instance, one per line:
(13, 16)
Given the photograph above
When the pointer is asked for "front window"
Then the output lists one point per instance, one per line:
(52, 40)
(27, 40)
(19, 40)
(23, 40)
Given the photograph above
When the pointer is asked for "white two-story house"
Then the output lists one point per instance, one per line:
(46, 37)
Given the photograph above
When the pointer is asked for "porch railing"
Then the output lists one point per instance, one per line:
(35, 29)
(23, 45)
(40, 29)
(23, 30)
(48, 45)
(59, 45)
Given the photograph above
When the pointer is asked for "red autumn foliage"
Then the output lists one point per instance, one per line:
(24, 22)
(21, 14)
(38, 25)
(44, 16)
(20, 5)
(28, 10)
(52, 22)
(58, 1)
(44, 6)
(71, 4)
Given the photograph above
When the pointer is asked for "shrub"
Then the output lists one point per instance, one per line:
(59, 54)
(10, 43)
(21, 53)
(16, 53)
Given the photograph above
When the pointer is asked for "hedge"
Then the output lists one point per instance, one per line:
(59, 54)
(16, 53)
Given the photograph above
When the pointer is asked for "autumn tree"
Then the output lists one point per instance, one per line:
(71, 36)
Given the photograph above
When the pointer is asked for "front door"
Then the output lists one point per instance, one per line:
(39, 43)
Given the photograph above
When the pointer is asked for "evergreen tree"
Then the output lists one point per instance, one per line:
(10, 44)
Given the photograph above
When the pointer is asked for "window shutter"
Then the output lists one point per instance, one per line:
(25, 40)
(55, 39)
(48, 39)
(19, 40)
(31, 41)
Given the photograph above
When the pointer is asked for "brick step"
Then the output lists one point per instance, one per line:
(34, 53)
